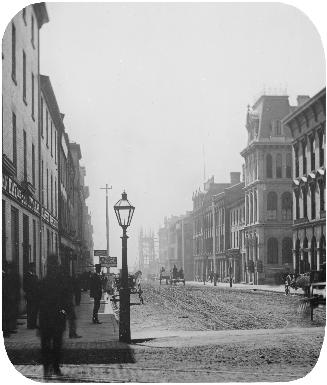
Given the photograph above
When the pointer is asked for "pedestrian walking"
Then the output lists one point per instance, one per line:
(31, 289)
(71, 315)
(204, 277)
(53, 309)
(96, 294)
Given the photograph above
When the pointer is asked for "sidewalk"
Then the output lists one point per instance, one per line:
(24, 347)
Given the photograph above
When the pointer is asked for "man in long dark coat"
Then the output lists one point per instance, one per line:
(54, 306)
(96, 294)
(31, 289)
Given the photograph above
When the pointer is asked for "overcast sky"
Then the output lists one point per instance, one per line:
(145, 87)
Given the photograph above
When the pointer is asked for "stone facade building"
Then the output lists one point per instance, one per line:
(209, 226)
(21, 193)
(235, 213)
(176, 244)
(307, 125)
(268, 191)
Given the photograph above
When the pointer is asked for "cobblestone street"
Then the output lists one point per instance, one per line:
(174, 341)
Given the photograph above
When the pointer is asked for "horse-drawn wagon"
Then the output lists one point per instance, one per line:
(173, 277)
(134, 285)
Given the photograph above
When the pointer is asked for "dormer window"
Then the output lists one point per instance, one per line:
(276, 128)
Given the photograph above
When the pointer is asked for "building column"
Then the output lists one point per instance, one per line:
(294, 259)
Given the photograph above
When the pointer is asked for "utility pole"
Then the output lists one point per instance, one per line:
(107, 219)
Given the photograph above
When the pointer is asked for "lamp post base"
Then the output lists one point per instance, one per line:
(124, 316)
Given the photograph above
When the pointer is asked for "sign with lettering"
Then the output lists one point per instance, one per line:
(108, 261)
(49, 218)
(99, 253)
(15, 191)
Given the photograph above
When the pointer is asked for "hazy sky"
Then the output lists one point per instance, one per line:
(145, 87)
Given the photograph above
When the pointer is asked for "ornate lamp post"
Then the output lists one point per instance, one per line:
(124, 212)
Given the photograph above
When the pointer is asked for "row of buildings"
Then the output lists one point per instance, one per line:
(44, 195)
(270, 221)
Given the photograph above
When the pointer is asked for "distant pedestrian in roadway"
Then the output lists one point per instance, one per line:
(96, 294)
(31, 289)
(204, 277)
(54, 307)
(174, 272)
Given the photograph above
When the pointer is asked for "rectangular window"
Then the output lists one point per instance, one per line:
(24, 77)
(42, 181)
(13, 53)
(32, 95)
(51, 133)
(25, 154)
(56, 207)
(41, 117)
(55, 145)
(4, 232)
(14, 140)
(32, 31)
(34, 240)
(51, 194)
(47, 188)
(47, 127)
(33, 164)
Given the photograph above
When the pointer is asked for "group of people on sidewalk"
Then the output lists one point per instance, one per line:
(49, 304)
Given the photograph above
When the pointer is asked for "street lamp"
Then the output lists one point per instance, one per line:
(124, 212)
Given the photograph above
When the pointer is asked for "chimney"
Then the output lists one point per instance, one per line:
(301, 99)
(235, 178)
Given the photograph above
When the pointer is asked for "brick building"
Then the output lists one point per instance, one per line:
(268, 191)
(50, 123)
(307, 125)
(21, 210)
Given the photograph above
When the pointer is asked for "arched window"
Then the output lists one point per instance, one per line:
(321, 148)
(297, 164)
(313, 153)
(269, 166)
(279, 166)
(304, 198)
(322, 195)
(272, 251)
(304, 157)
(288, 165)
(287, 206)
(255, 203)
(287, 256)
(313, 200)
(271, 205)
(297, 204)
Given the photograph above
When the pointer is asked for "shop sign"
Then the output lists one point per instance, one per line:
(15, 191)
(49, 218)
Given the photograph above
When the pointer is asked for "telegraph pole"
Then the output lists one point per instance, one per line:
(107, 219)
